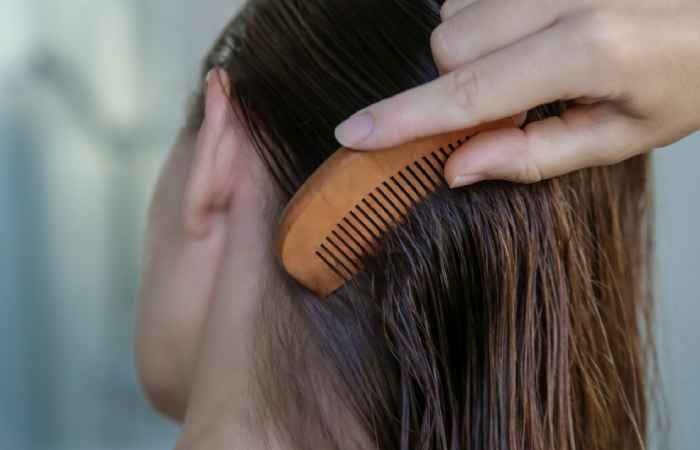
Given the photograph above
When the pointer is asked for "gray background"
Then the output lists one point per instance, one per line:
(91, 95)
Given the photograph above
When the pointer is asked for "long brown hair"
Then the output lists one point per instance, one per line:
(499, 316)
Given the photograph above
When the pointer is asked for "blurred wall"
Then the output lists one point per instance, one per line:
(91, 96)
(678, 287)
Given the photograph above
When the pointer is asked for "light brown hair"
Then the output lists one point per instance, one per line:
(499, 316)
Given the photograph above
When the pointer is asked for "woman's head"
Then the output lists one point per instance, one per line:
(497, 316)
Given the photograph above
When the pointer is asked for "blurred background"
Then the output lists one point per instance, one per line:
(91, 96)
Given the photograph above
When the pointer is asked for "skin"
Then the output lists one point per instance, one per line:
(630, 70)
(632, 73)
(195, 328)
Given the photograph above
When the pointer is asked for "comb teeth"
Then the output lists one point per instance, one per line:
(357, 234)
(338, 217)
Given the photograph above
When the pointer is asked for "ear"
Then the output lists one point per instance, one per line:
(210, 186)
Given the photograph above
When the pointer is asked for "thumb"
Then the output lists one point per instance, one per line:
(584, 136)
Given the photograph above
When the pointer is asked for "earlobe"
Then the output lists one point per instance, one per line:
(211, 181)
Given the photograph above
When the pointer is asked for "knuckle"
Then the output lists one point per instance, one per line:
(464, 88)
(438, 45)
(528, 171)
(602, 33)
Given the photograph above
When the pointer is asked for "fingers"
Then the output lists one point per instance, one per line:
(451, 7)
(485, 26)
(585, 136)
(532, 7)
(501, 84)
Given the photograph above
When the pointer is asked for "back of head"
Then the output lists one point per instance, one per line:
(497, 316)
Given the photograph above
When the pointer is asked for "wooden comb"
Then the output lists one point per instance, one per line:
(341, 212)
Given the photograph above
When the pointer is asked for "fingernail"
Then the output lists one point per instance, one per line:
(464, 180)
(356, 129)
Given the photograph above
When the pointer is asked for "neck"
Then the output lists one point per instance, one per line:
(222, 403)
(223, 433)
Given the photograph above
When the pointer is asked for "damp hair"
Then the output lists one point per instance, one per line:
(497, 316)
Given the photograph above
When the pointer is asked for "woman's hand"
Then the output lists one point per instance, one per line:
(631, 69)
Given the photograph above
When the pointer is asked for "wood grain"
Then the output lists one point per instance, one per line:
(344, 208)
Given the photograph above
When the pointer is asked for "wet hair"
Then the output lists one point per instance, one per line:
(498, 316)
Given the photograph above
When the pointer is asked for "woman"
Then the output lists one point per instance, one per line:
(498, 316)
